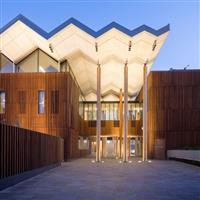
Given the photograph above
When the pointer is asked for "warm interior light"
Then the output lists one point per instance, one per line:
(108, 141)
(84, 141)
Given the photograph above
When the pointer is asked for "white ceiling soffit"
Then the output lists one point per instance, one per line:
(74, 41)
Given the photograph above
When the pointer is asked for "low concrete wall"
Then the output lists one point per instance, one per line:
(193, 155)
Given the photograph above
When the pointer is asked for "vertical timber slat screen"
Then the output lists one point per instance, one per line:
(23, 150)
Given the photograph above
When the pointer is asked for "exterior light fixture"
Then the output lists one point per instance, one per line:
(130, 45)
(96, 46)
(93, 161)
(149, 161)
(154, 45)
(139, 161)
(51, 48)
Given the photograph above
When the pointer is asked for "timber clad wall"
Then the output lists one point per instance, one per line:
(173, 111)
(23, 150)
(22, 105)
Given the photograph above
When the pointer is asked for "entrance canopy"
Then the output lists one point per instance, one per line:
(84, 48)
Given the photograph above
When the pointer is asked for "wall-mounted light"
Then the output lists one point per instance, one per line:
(154, 45)
(51, 48)
(130, 45)
(96, 46)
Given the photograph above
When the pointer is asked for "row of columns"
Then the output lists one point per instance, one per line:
(113, 149)
(125, 119)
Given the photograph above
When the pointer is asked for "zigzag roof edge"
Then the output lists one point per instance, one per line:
(83, 27)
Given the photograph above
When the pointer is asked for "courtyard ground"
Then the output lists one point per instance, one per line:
(82, 179)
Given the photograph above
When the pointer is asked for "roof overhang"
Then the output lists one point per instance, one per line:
(76, 42)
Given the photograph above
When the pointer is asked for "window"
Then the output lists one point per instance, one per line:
(2, 101)
(6, 66)
(37, 61)
(55, 102)
(22, 102)
(41, 98)
(116, 111)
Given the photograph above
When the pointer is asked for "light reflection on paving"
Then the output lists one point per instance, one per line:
(82, 179)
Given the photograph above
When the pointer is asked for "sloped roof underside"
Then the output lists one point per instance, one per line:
(75, 42)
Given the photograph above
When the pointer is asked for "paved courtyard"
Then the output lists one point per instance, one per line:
(82, 179)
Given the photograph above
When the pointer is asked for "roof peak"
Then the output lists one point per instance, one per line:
(83, 27)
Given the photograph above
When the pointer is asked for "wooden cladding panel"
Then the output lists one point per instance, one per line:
(51, 123)
(23, 150)
(173, 109)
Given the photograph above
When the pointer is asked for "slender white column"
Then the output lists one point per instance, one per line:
(125, 157)
(98, 129)
(145, 88)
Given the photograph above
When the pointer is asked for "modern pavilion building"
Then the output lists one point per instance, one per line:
(95, 90)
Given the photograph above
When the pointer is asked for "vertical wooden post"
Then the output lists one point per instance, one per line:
(145, 87)
(120, 123)
(125, 158)
(98, 129)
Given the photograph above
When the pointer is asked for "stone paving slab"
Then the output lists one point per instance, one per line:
(82, 179)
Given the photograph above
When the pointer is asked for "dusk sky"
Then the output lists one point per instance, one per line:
(183, 43)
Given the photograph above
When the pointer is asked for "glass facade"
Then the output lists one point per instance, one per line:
(2, 101)
(134, 111)
(110, 111)
(41, 101)
(37, 61)
(6, 66)
(81, 107)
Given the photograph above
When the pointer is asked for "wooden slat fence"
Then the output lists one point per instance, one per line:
(23, 150)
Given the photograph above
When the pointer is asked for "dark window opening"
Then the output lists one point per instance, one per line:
(22, 102)
(55, 102)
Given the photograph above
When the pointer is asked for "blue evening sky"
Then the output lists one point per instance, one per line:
(182, 47)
